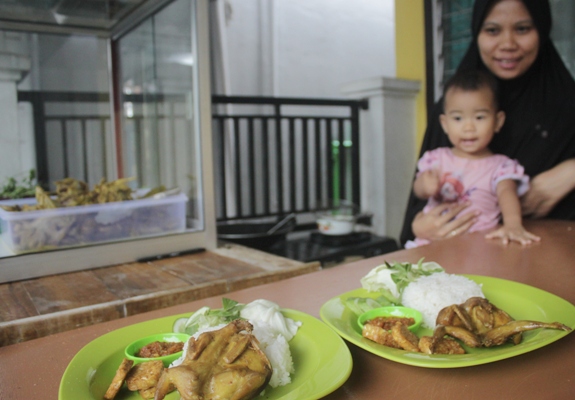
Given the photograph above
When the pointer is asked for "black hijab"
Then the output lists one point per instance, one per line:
(539, 129)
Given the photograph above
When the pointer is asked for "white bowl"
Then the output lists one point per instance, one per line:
(336, 224)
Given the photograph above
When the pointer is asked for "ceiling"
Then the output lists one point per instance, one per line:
(91, 14)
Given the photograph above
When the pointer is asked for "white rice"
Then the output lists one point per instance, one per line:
(429, 294)
(276, 348)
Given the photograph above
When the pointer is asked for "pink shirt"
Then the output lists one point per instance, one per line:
(475, 180)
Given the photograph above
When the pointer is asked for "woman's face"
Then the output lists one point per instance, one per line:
(508, 40)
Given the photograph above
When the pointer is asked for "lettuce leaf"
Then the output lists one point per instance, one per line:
(205, 317)
(391, 279)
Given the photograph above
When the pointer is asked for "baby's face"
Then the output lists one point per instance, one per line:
(470, 121)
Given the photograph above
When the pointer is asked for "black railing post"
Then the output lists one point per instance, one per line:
(305, 167)
(355, 184)
(279, 159)
(285, 184)
(318, 162)
(40, 142)
(266, 173)
(293, 156)
(251, 165)
(237, 167)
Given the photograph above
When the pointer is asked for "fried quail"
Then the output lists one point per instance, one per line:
(223, 364)
(479, 323)
(476, 323)
(501, 334)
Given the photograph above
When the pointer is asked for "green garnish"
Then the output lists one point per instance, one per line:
(17, 190)
(405, 273)
(391, 279)
(206, 317)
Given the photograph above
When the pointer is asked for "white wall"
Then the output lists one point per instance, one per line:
(307, 48)
(16, 150)
(49, 52)
(304, 48)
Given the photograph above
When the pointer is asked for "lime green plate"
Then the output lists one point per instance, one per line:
(521, 301)
(321, 359)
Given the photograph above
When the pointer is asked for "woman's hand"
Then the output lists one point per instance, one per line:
(548, 188)
(439, 223)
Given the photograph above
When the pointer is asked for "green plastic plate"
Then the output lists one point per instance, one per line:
(521, 301)
(321, 358)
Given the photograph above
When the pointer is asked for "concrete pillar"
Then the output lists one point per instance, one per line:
(387, 148)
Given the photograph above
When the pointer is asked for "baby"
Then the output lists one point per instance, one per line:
(469, 171)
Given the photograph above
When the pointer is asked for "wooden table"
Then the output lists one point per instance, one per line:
(32, 370)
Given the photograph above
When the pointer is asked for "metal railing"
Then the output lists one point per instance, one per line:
(272, 155)
(67, 134)
(276, 155)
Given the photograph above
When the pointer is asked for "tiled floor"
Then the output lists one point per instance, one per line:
(43, 306)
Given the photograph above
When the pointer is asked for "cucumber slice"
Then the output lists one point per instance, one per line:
(180, 325)
(359, 305)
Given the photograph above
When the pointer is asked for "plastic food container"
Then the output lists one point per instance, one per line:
(28, 231)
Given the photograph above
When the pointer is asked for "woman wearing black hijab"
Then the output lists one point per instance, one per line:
(539, 129)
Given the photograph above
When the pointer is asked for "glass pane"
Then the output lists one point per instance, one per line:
(563, 32)
(456, 21)
(159, 137)
(64, 107)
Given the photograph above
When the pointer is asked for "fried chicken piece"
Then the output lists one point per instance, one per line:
(467, 337)
(223, 364)
(71, 192)
(481, 312)
(502, 318)
(144, 375)
(147, 393)
(118, 379)
(439, 344)
(485, 316)
(454, 315)
(448, 346)
(406, 339)
(431, 345)
(379, 335)
(107, 192)
(43, 200)
(427, 344)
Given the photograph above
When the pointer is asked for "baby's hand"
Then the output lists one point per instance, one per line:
(430, 181)
(515, 234)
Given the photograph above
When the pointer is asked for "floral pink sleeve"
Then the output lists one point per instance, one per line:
(511, 169)
(429, 160)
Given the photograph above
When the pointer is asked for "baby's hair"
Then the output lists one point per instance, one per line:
(473, 80)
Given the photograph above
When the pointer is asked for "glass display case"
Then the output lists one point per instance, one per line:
(127, 99)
